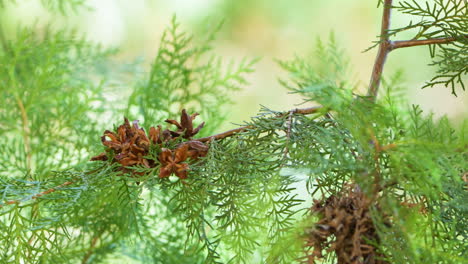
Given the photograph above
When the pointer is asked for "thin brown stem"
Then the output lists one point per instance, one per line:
(288, 133)
(51, 190)
(301, 111)
(91, 249)
(225, 134)
(382, 53)
(288, 137)
(412, 43)
(26, 133)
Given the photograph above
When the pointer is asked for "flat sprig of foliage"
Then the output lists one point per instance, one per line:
(47, 79)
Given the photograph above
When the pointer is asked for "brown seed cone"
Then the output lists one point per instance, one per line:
(185, 127)
(130, 144)
(346, 228)
(173, 162)
(197, 149)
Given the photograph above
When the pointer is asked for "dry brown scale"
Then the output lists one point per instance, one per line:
(130, 145)
(345, 228)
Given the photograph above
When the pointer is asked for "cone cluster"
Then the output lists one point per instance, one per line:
(130, 145)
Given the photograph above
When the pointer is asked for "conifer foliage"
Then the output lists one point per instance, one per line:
(385, 183)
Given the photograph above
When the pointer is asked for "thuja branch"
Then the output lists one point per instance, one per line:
(301, 111)
(51, 190)
(48, 191)
(229, 133)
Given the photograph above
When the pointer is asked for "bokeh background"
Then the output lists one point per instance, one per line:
(270, 29)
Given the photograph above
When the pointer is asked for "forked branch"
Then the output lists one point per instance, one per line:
(386, 46)
(384, 49)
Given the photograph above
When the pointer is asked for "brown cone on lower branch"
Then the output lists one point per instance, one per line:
(346, 228)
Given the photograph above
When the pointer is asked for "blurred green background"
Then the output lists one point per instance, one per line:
(270, 29)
